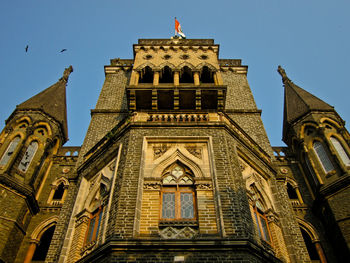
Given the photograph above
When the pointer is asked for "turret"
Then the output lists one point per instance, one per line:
(33, 133)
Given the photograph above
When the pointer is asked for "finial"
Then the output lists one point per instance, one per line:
(66, 73)
(282, 73)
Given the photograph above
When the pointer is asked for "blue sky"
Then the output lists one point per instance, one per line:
(310, 39)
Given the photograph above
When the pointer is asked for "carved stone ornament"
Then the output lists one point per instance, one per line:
(195, 151)
(204, 186)
(158, 151)
(8, 129)
(284, 170)
(65, 170)
(151, 186)
(178, 233)
(66, 73)
(84, 218)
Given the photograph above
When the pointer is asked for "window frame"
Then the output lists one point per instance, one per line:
(14, 144)
(340, 150)
(97, 214)
(258, 216)
(178, 189)
(321, 151)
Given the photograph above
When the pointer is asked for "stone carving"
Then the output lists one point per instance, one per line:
(159, 150)
(151, 186)
(178, 233)
(195, 151)
(282, 73)
(204, 186)
(66, 73)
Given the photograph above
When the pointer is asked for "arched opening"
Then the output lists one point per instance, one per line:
(59, 192)
(207, 75)
(311, 249)
(146, 75)
(186, 75)
(166, 75)
(28, 156)
(43, 247)
(178, 196)
(292, 194)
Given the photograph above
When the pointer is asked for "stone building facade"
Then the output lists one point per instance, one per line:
(175, 167)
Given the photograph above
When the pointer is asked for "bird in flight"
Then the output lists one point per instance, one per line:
(27, 48)
(63, 50)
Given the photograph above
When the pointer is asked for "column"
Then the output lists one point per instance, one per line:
(176, 78)
(196, 78)
(320, 252)
(156, 78)
(30, 252)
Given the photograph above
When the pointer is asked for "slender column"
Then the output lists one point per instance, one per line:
(198, 99)
(217, 78)
(196, 78)
(176, 78)
(176, 99)
(154, 99)
(136, 79)
(320, 252)
(30, 252)
(299, 195)
(156, 78)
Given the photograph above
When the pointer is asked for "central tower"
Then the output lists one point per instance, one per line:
(176, 166)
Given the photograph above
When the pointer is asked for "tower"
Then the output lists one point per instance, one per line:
(317, 136)
(34, 132)
(176, 166)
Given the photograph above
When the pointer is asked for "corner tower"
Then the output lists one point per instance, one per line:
(317, 136)
(33, 133)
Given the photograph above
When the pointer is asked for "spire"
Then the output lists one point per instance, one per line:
(52, 101)
(298, 102)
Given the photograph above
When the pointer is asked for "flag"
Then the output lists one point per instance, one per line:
(178, 29)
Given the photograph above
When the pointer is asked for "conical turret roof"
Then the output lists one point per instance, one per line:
(52, 101)
(298, 102)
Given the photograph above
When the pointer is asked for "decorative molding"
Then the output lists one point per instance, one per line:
(204, 186)
(195, 151)
(178, 233)
(158, 151)
(152, 186)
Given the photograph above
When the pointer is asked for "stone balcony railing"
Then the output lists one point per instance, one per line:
(178, 117)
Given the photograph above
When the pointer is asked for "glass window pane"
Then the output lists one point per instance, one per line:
(168, 206)
(187, 210)
(10, 150)
(91, 229)
(342, 153)
(264, 229)
(28, 156)
(98, 225)
(257, 224)
(323, 157)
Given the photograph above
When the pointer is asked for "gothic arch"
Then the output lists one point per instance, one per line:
(206, 64)
(184, 64)
(309, 229)
(42, 227)
(93, 195)
(258, 189)
(60, 180)
(305, 126)
(164, 64)
(330, 121)
(144, 65)
(176, 155)
(44, 125)
(25, 119)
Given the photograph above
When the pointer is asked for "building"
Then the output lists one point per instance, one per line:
(175, 167)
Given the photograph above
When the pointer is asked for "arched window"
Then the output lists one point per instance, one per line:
(261, 222)
(178, 197)
(323, 157)
(311, 171)
(166, 75)
(146, 75)
(341, 151)
(59, 192)
(310, 246)
(43, 247)
(28, 156)
(207, 76)
(9, 151)
(292, 194)
(186, 75)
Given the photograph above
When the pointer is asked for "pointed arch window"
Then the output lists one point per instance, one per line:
(28, 156)
(323, 157)
(9, 151)
(178, 197)
(340, 150)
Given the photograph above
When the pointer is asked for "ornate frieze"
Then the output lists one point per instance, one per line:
(178, 233)
(195, 151)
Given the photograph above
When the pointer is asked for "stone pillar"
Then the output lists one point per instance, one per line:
(196, 78)
(154, 99)
(176, 78)
(156, 78)
(137, 77)
(320, 252)
(30, 252)
(299, 195)
(176, 99)
(217, 78)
